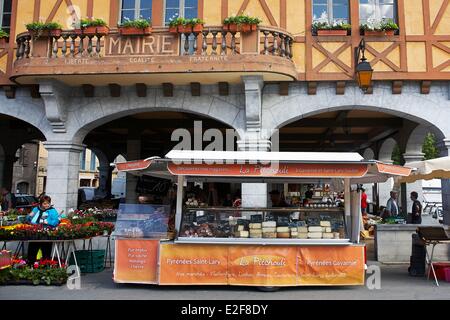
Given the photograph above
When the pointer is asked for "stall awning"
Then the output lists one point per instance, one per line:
(265, 166)
(429, 169)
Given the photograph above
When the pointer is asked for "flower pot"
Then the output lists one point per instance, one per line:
(331, 32)
(92, 31)
(36, 34)
(173, 29)
(4, 41)
(380, 33)
(246, 28)
(55, 33)
(225, 27)
(185, 29)
(254, 27)
(233, 27)
(130, 31)
(197, 28)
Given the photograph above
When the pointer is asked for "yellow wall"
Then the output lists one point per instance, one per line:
(296, 17)
(212, 12)
(25, 10)
(418, 63)
(414, 17)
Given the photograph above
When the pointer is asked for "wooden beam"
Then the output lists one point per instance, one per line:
(284, 88)
(10, 91)
(167, 89)
(425, 87)
(397, 87)
(312, 87)
(114, 90)
(195, 89)
(88, 90)
(141, 90)
(340, 87)
(224, 89)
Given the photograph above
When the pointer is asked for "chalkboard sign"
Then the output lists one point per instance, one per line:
(256, 218)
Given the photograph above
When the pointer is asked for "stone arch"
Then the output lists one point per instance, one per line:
(90, 113)
(31, 111)
(368, 154)
(416, 139)
(280, 111)
(386, 149)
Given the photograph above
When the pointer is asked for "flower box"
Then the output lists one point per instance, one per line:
(173, 29)
(131, 31)
(94, 30)
(379, 33)
(185, 29)
(4, 41)
(55, 33)
(254, 27)
(245, 28)
(197, 28)
(336, 32)
(233, 27)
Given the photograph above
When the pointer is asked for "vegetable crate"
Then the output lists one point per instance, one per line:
(90, 261)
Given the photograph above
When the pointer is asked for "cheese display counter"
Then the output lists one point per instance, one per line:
(314, 244)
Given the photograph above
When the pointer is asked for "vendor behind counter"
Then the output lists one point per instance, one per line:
(278, 202)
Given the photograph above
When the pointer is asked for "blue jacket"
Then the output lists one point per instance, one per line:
(50, 215)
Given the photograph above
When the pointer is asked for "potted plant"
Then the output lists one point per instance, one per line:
(94, 27)
(242, 23)
(197, 24)
(135, 27)
(175, 23)
(185, 27)
(383, 27)
(324, 28)
(4, 37)
(43, 30)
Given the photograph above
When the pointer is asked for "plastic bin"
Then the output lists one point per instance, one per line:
(439, 268)
(90, 261)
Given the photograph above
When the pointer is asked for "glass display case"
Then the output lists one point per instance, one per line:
(268, 223)
(144, 221)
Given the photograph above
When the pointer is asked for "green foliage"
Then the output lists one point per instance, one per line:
(331, 26)
(3, 34)
(39, 26)
(137, 23)
(84, 23)
(185, 22)
(429, 147)
(397, 156)
(242, 19)
(177, 22)
(379, 25)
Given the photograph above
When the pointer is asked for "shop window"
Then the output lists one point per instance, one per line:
(83, 160)
(180, 8)
(377, 10)
(93, 161)
(5, 15)
(22, 187)
(136, 9)
(331, 11)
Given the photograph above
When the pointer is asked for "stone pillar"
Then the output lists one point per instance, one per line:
(416, 186)
(133, 153)
(63, 168)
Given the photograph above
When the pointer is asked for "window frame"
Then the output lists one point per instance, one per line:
(181, 11)
(137, 10)
(2, 13)
(330, 11)
(377, 11)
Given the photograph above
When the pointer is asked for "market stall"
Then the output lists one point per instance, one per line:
(314, 243)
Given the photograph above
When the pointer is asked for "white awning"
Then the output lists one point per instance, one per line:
(429, 169)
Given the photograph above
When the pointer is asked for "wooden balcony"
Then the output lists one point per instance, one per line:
(209, 56)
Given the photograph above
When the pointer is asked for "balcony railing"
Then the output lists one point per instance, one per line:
(211, 41)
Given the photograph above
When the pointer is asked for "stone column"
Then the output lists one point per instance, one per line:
(133, 153)
(416, 186)
(63, 168)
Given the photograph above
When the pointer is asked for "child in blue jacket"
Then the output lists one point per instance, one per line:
(48, 216)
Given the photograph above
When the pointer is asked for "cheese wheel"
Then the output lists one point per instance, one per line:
(294, 234)
(328, 229)
(303, 229)
(315, 235)
(241, 228)
(328, 235)
(256, 235)
(315, 229)
(283, 234)
(282, 229)
(269, 235)
(255, 231)
(244, 234)
(269, 224)
(302, 235)
(255, 225)
(325, 223)
(269, 229)
(336, 235)
(295, 229)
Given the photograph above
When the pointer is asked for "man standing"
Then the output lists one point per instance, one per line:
(392, 206)
(416, 212)
(7, 200)
(363, 202)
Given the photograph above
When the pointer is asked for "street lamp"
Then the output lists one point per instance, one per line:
(364, 71)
